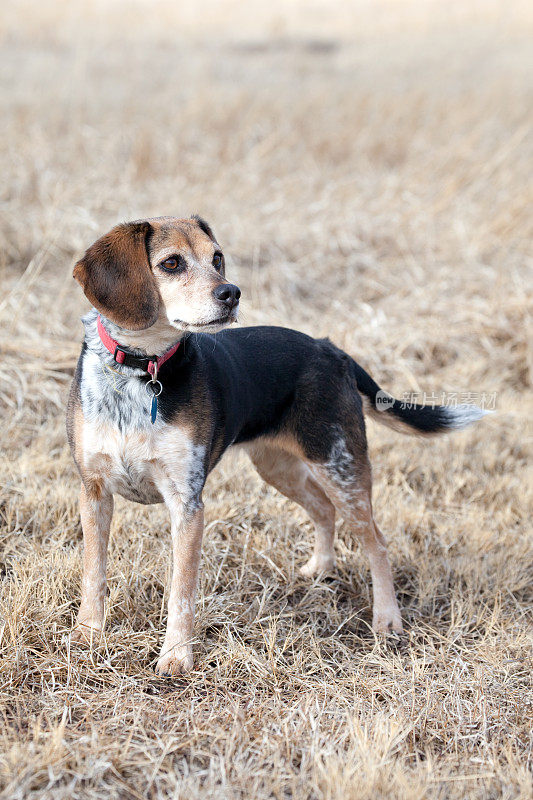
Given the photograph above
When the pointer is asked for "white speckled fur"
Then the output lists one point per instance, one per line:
(118, 431)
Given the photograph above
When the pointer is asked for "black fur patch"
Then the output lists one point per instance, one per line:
(265, 381)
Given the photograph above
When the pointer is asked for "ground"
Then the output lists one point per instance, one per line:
(365, 167)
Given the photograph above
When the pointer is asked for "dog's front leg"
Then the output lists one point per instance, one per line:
(96, 511)
(187, 526)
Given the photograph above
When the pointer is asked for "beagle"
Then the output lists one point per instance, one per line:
(162, 388)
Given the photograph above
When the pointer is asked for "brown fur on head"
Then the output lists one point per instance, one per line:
(159, 269)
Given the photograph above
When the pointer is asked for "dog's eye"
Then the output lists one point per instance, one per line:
(173, 264)
(218, 261)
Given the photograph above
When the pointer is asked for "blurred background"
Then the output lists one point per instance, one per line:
(366, 166)
(351, 157)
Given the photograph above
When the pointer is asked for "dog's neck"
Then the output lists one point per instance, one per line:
(153, 341)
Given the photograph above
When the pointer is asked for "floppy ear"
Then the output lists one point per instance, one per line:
(115, 275)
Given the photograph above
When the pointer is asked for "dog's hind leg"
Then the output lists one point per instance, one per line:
(96, 511)
(292, 477)
(347, 482)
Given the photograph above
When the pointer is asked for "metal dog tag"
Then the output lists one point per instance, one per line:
(156, 389)
(153, 410)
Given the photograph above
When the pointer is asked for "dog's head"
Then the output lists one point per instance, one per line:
(164, 268)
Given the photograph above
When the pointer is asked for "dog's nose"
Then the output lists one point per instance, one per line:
(228, 294)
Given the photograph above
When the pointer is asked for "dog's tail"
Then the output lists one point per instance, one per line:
(411, 418)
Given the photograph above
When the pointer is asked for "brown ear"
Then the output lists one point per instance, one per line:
(115, 275)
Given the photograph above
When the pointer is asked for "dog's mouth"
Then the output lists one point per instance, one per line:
(218, 322)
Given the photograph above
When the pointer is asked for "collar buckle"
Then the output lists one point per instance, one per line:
(125, 358)
(119, 355)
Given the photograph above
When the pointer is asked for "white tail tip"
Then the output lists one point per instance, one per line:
(463, 415)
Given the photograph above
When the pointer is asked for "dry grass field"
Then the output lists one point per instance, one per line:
(367, 167)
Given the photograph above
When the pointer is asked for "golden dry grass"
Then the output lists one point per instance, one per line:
(367, 170)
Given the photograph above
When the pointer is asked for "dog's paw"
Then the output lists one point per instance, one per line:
(387, 621)
(85, 634)
(317, 564)
(176, 661)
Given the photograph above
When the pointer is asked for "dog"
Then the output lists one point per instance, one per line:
(157, 399)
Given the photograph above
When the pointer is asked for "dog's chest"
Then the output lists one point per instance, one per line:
(142, 464)
(125, 462)
(128, 454)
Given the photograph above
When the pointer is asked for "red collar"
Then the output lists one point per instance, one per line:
(150, 364)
